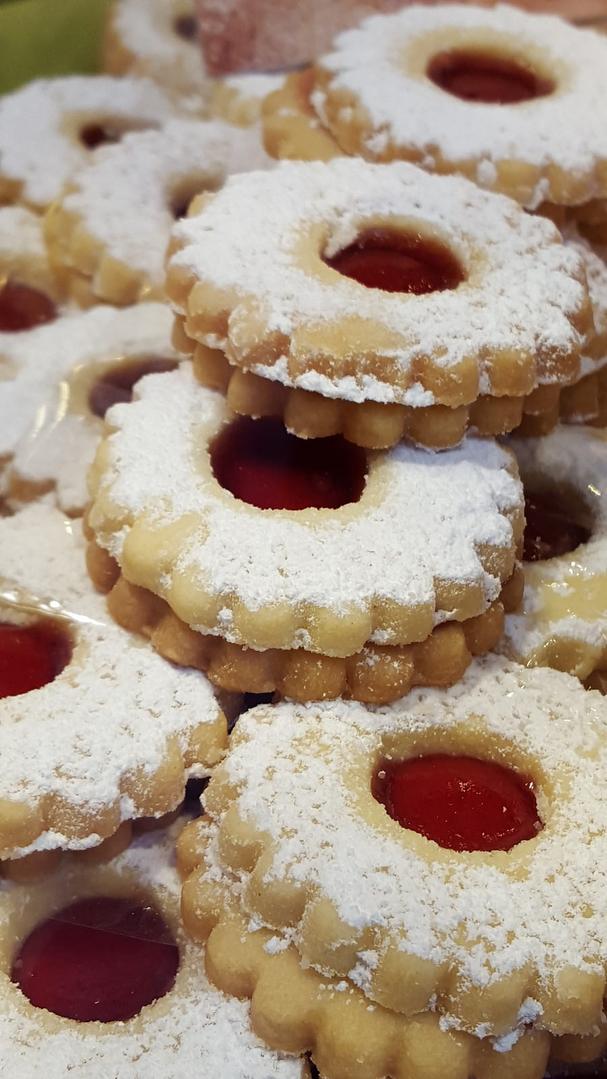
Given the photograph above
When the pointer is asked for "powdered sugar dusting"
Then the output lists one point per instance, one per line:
(383, 63)
(113, 708)
(124, 197)
(146, 28)
(40, 124)
(420, 515)
(23, 255)
(595, 264)
(47, 426)
(566, 597)
(522, 285)
(193, 1030)
(324, 833)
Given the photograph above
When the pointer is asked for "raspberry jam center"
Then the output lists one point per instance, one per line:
(185, 27)
(264, 465)
(550, 531)
(101, 959)
(116, 386)
(31, 656)
(398, 262)
(462, 803)
(486, 79)
(23, 308)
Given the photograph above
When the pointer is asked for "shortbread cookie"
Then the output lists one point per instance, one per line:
(49, 128)
(57, 957)
(294, 273)
(510, 99)
(414, 850)
(65, 376)
(112, 225)
(292, 128)
(245, 531)
(377, 426)
(112, 732)
(158, 39)
(29, 289)
(586, 400)
(295, 1009)
(239, 99)
(563, 621)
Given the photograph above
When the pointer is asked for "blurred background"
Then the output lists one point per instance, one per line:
(56, 37)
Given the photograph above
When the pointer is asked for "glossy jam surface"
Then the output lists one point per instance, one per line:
(462, 803)
(185, 27)
(486, 79)
(116, 386)
(550, 530)
(23, 308)
(262, 464)
(31, 656)
(398, 262)
(99, 959)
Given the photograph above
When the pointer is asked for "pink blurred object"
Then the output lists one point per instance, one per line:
(268, 35)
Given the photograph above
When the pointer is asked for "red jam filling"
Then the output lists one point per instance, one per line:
(23, 308)
(31, 656)
(462, 803)
(550, 531)
(100, 959)
(185, 26)
(264, 465)
(116, 386)
(488, 80)
(398, 262)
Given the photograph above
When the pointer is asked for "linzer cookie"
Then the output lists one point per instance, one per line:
(112, 225)
(563, 621)
(510, 99)
(158, 39)
(585, 401)
(292, 129)
(61, 380)
(112, 731)
(376, 301)
(412, 853)
(239, 99)
(29, 289)
(97, 977)
(49, 128)
(308, 567)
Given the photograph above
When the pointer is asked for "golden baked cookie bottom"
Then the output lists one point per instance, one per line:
(377, 426)
(291, 128)
(344, 339)
(298, 1010)
(376, 675)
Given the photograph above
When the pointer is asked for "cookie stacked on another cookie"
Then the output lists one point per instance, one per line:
(509, 99)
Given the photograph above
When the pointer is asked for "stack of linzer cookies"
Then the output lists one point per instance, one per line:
(344, 423)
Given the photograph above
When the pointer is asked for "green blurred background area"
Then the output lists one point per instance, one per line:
(48, 37)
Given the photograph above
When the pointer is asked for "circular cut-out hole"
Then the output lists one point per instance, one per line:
(23, 307)
(462, 803)
(264, 465)
(116, 386)
(550, 528)
(486, 79)
(31, 656)
(186, 27)
(94, 135)
(101, 959)
(398, 262)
